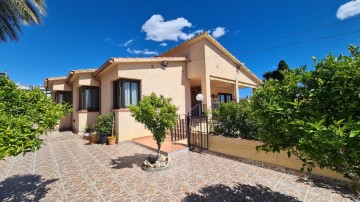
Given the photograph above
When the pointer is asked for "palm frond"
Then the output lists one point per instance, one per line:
(14, 11)
(40, 5)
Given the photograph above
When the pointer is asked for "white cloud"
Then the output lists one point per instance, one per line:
(236, 32)
(218, 32)
(141, 52)
(157, 29)
(349, 9)
(109, 40)
(127, 43)
(163, 44)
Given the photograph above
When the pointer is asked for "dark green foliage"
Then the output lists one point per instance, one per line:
(277, 74)
(235, 120)
(158, 114)
(315, 115)
(104, 124)
(24, 116)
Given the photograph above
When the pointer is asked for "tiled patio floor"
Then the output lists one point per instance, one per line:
(167, 147)
(65, 169)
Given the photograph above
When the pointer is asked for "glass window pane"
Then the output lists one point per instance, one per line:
(88, 100)
(63, 97)
(134, 93)
(127, 93)
(60, 98)
(94, 98)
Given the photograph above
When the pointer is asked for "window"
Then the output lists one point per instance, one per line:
(63, 97)
(224, 97)
(126, 92)
(89, 98)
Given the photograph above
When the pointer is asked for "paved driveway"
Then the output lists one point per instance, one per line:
(65, 169)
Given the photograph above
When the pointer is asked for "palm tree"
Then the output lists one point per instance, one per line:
(12, 12)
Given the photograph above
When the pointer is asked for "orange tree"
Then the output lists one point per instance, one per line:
(24, 116)
(315, 115)
(158, 114)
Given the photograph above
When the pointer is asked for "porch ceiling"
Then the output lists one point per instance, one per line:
(232, 82)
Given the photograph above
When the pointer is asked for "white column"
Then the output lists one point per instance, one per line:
(236, 87)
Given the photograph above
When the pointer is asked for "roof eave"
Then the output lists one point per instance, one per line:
(207, 36)
(111, 61)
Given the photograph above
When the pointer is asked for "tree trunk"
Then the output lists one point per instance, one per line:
(158, 151)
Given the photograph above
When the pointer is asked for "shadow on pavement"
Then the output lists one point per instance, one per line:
(24, 188)
(241, 192)
(128, 161)
(335, 186)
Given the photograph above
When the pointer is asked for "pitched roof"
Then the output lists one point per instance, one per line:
(79, 71)
(56, 78)
(111, 61)
(205, 35)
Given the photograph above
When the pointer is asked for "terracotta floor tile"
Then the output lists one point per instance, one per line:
(66, 169)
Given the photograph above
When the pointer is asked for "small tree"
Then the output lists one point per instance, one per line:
(158, 114)
(277, 74)
(314, 115)
(24, 116)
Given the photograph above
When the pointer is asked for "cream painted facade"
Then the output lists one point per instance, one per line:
(199, 65)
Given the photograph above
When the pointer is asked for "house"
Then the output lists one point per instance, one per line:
(199, 65)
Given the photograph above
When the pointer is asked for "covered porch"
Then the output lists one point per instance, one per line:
(220, 90)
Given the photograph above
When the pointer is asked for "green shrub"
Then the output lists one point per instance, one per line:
(104, 124)
(24, 116)
(314, 115)
(233, 119)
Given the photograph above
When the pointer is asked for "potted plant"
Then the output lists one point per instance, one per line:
(103, 127)
(112, 138)
(92, 138)
(87, 130)
(88, 134)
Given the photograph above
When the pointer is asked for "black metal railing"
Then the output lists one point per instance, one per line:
(179, 130)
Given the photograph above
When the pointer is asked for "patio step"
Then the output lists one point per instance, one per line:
(167, 148)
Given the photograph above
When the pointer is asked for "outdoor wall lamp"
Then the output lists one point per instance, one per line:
(165, 63)
(199, 97)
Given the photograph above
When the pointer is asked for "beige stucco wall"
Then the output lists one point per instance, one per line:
(128, 128)
(247, 149)
(59, 85)
(66, 123)
(219, 65)
(106, 89)
(205, 60)
(82, 118)
(196, 56)
(169, 81)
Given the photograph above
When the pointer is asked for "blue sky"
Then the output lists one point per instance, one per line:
(85, 33)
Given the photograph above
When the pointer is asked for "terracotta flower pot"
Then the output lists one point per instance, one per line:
(91, 140)
(111, 140)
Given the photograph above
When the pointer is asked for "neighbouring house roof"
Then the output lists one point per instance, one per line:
(111, 61)
(50, 79)
(214, 42)
(56, 78)
(79, 71)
